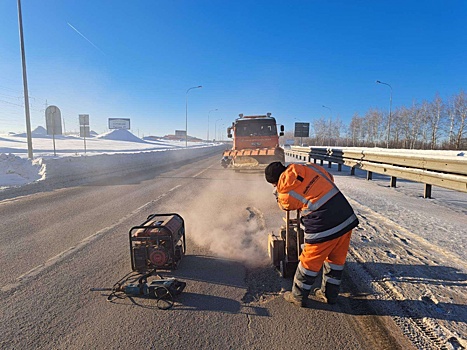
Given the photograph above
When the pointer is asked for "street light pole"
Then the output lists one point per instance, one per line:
(25, 82)
(390, 110)
(215, 128)
(212, 110)
(330, 124)
(221, 132)
(186, 113)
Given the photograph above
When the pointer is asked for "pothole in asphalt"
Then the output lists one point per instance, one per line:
(264, 281)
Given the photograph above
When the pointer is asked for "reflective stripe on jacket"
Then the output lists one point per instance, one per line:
(326, 212)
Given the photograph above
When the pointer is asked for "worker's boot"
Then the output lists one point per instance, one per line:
(330, 284)
(295, 300)
(302, 286)
(322, 296)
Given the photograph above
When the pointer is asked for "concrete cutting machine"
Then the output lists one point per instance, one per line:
(158, 243)
(285, 249)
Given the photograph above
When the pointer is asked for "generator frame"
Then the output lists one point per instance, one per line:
(285, 249)
(161, 237)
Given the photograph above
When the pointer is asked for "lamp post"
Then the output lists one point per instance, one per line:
(390, 111)
(330, 123)
(25, 83)
(212, 110)
(215, 128)
(221, 131)
(186, 113)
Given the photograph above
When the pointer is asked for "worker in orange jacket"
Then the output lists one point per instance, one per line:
(328, 219)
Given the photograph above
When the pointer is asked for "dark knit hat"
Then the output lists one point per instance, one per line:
(273, 171)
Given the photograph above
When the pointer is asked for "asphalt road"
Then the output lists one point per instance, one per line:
(56, 246)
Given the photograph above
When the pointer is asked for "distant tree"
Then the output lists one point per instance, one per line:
(354, 131)
(404, 120)
(336, 128)
(436, 110)
(396, 129)
(425, 133)
(429, 125)
(374, 122)
(460, 106)
(321, 129)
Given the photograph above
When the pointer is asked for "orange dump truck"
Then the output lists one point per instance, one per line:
(255, 142)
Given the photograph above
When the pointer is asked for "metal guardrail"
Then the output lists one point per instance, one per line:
(447, 169)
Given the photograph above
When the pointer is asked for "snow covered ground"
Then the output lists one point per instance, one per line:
(65, 158)
(410, 252)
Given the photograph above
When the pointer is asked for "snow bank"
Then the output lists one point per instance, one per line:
(20, 174)
(120, 135)
(64, 169)
(17, 171)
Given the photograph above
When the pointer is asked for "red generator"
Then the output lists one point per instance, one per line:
(158, 243)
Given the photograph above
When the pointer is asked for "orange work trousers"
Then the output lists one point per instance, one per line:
(334, 252)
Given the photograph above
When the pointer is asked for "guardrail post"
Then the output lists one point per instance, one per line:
(369, 175)
(339, 167)
(314, 160)
(393, 181)
(321, 162)
(427, 191)
(329, 164)
(352, 170)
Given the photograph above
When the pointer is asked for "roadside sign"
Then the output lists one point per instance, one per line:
(53, 120)
(302, 130)
(119, 123)
(84, 131)
(84, 119)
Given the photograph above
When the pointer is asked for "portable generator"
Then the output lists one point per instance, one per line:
(285, 249)
(158, 243)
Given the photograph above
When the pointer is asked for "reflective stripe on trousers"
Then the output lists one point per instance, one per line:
(303, 281)
(332, 278)
(331, 256)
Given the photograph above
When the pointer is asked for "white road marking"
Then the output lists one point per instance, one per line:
(202, 171)
(59, 257)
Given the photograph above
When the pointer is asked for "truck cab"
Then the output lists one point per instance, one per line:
(255, 142)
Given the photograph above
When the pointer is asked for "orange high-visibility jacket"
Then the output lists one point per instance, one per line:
(326, 212)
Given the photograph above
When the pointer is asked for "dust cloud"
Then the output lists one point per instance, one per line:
(231, 223)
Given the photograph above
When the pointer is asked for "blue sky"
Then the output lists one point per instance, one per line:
(136, 59)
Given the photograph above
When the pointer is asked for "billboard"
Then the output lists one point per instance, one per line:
(119, 123)
(302, 130)
(180, 133)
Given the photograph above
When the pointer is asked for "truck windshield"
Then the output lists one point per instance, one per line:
(256, 128)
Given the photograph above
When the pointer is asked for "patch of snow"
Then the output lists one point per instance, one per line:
(15, 171)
